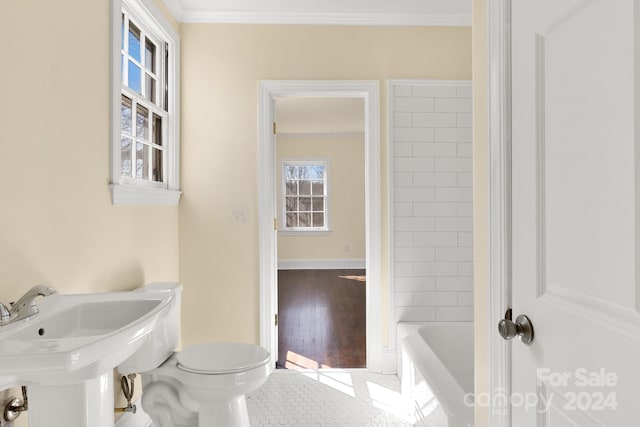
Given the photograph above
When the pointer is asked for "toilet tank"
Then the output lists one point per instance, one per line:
(165, 337)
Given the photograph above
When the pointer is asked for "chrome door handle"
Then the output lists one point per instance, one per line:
(521, 328)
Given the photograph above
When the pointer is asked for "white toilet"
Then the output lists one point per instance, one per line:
(203, 385)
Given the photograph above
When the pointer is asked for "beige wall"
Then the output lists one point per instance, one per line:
(480, 206)
(346, 198)
(57, 224)
(221, 68)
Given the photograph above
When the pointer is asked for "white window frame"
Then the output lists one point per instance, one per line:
(327, 200)
(124, 190)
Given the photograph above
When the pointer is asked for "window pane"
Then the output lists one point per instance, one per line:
(291, 172)
(316, 172)
(292, 204)
(305, 204)
(305, 187)
(292, 187)
(157, 130)
(125, 156)
(142, 161)
(142, 123)
(134, 77)
(305, 219)
(150, 88)
(134, 42)
(157, 165)
(125, 115)
(150, 56)
(317, 188)
(318, 204)
(318, 220)
(292, 220)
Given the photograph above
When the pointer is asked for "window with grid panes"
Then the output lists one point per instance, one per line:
(305, 203)
(145, 66)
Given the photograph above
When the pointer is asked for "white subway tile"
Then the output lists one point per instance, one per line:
(411, 284)
(402, 149)
(403, 299)
(454, 254)
(402, 90)
(402, 239)
(465, 269)
(453, 194)
(465, 120)
(403, 179)
(414, 194)
(429, 91)
(435, 299)
(464, 91)
(414, 224)
(414, 134)
(435, 120)
(453, 224)
(410, 164)
(435, 269)
(452, 105)
(416, 105)
(403, 209)
(427, 149)
(454, 314)
(453, 135)
(435, 239)
(465, 298)
(414, 254)
(465, 209)
(435, 209)
(403, 269)
(453, 165)
(415, 314)
(465, 179)
(435, 179)
(403, 120)
(465, 239)
(465, 149)
(454, 283)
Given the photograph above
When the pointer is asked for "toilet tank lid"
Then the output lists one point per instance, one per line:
(220, 358)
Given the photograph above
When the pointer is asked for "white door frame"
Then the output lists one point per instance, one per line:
(499, 115)
(369, 91)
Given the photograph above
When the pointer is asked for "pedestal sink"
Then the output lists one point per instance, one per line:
(66, 354)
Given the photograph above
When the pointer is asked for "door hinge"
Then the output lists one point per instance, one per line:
(274, 128)
(276, 319)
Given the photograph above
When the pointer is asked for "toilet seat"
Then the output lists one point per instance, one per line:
(221, 358)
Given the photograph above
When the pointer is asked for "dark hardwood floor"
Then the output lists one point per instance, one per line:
(321, 319)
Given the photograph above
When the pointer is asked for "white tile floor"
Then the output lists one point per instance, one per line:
(329, 398)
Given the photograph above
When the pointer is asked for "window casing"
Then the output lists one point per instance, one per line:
(145, 116)
(305, 195)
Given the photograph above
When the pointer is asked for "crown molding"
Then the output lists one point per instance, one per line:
(315, 18)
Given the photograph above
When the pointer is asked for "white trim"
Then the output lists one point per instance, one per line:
(317, 18)
(499, 280)
(161, 26)
(322, 264)
(129, 195)
(370, 92)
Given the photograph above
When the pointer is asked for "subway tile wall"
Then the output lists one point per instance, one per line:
(432, 201)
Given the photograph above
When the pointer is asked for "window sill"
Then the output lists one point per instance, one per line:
(129, 195)
(305, 232)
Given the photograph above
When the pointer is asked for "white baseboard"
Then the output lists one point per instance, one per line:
(139, 419)
(322, 264)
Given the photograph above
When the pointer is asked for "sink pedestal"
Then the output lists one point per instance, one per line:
(88, 404)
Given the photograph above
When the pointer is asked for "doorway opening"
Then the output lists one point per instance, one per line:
(368, 92)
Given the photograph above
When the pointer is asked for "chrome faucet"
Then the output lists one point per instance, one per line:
(25, 306)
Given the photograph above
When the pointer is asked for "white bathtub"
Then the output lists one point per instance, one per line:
(435, 366)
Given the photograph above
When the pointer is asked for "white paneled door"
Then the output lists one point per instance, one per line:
(576, 212)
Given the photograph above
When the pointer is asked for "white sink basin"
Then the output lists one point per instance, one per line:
(75, 338)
